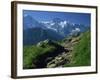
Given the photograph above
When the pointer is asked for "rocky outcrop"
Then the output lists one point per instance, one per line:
(64, 57)
(59, 57)
(58, 61)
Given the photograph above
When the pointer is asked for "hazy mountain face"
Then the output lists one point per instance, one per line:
(56, 29)
(35, 35)
(29, 22)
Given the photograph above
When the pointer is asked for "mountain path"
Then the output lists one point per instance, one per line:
(64, 57)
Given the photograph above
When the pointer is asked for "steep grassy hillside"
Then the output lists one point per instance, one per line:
(31, 53)
(81, 54)
(37, 56)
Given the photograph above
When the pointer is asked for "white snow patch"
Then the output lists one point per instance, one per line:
(52, 24)
(63, 23)
(77, 29)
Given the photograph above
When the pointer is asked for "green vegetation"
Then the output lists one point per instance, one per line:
(72, 51)
(81, 53)
(31, 53)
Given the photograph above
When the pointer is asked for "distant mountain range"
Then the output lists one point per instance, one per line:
(56, 29)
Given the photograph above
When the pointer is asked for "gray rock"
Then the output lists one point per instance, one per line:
(51, 66)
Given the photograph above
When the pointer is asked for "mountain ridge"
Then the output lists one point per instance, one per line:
(56, 29)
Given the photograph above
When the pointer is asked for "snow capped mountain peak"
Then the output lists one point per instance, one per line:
(49, 25)
(63, 27)
(63, 23)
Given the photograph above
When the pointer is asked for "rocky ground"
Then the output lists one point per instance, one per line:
(64, 57)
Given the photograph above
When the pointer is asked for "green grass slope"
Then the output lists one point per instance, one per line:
(31, 53)
(81, 54)
(36, 56)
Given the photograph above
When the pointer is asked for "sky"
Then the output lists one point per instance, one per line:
(78, 18)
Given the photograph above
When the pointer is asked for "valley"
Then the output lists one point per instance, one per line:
(71, 51)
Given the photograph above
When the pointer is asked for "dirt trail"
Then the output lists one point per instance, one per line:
(64, 57)
(59, 57)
